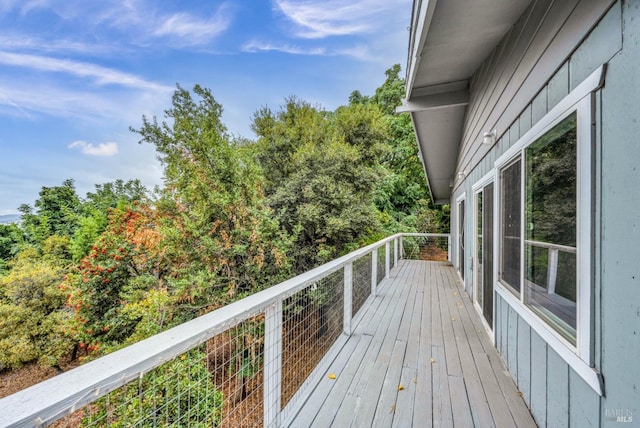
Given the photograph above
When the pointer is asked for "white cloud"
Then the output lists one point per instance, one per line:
(358, 52)
(317, 19)
(137, 22)
(22, 42)
(191, 30)
(101, 75)
(101, 149)
(257, 46)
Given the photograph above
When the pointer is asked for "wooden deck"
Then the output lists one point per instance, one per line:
(423, 333)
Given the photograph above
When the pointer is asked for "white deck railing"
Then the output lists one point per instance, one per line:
(258, 353)
(552, 260)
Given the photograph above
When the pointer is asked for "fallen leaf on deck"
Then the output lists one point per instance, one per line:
(453, 318)
(455, 293)
(415, 380)
(331, 376)
(400, 387)
(433, 360)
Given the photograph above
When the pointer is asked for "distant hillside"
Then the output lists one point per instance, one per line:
(9, 218)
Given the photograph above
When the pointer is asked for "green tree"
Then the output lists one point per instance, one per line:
(282, 133)
(11, 240)
(95, 210)
(56, 213)
(402, 195)
(324, 180)
(221, 237)
(34, 321)
(122, 268)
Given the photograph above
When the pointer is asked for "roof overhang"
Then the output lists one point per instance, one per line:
(449, 40)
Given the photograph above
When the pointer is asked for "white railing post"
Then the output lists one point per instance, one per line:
(395, 252)
(272, 364)
(374, 271)
(348, 299)
(401, 249)
(387, 259)
(449, 248)
(552, 270)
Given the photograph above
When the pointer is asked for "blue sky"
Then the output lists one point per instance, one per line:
(75, 74)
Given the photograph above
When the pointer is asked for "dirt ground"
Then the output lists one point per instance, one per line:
(17, 380)
(433, 252)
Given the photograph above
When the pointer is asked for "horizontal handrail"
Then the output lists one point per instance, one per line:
(427, 235)
(541, 244)
(49, 400)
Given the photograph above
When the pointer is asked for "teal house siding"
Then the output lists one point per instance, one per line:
(619, 264)
(550, 48)
(555, 393)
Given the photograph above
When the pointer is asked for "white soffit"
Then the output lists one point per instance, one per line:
(449, 40)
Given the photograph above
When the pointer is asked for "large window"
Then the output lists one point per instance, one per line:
(550, 227)
(546, 199)
(545, 232)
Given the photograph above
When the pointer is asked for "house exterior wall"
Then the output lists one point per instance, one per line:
(553, 47)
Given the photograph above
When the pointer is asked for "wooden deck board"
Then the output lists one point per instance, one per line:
(422, 332)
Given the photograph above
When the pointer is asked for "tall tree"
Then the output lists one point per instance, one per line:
(34, 322)
(282, 133)
(95, 210)
(402, 195)
(56, 213)
(323, 182)
(221, 235)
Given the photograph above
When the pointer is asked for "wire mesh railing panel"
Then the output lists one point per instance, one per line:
(361, 288)
(312, 321)
(381, 264)
(236, 359)
(434, 248)
(392, 251)
(180, 392)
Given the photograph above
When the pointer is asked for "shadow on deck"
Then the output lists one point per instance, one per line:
(419, 356)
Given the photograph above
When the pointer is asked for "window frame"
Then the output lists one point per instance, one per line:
(516, 158)
(581, 357)
(477, 188)
(461, 263)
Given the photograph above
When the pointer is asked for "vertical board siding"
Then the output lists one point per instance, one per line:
(558, 86)
(512, 343)
(524, 359)
(539, 106)
(525, 120)
(497, 321)
(598, 48)
(504, 314)
(514, 132)
(538, 401)
(557, 390)
(620, 223)
(552, 48)
(584, 404)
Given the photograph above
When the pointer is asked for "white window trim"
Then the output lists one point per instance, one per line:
(580, 357)
(460, 198)
(477, 187)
